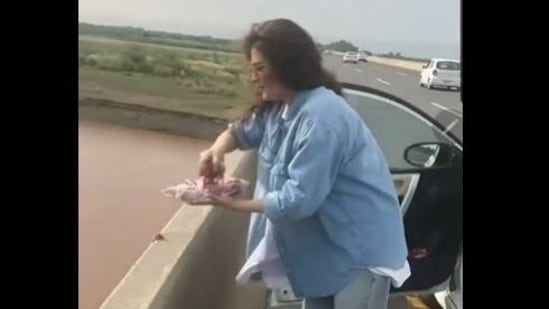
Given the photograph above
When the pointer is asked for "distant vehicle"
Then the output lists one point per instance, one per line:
(352, 57)
(363, 57)
(440, 72)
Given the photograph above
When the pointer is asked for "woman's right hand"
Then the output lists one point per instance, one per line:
(212, 163)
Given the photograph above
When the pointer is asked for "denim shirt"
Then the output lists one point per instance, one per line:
(326, 187)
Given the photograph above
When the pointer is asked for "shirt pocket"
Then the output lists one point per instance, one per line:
(267, 154)
(269, 147)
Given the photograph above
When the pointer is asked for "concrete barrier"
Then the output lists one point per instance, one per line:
(405, 64)
(195, 265)
(204, 276)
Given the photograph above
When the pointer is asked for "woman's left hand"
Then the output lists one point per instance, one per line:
(217, 201)
(234, 204)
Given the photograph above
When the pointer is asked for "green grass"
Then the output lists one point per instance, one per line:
(158, 92)
(135, 34)
(91, 42)
(205, 82)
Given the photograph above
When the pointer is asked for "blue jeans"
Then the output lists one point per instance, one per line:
(366, 291)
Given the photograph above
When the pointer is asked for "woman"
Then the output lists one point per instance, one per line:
(322, 181)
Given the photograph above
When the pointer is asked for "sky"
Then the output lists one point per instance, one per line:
(419, 28)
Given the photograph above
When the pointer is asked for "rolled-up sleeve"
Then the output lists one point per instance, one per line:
(311, 175)
(248, 133)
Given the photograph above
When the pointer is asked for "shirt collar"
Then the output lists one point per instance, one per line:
(300, 97)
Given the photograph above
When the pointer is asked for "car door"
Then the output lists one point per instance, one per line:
(425, 72)
(453, 299)
(426, 165)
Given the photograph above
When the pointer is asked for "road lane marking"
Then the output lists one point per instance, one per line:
(447, 109)
(358, 70)
(402, 74)
(451, 125)
(383, 81)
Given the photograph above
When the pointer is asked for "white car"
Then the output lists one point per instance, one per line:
(363, 57)
(439, 72)
(351, 57)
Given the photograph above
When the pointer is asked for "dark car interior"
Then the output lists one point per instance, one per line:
(434, 218)
(434, 226)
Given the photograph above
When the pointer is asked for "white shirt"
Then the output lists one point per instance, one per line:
(266, 260)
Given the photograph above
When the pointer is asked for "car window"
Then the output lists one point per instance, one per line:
(449, 65)
(394, 128)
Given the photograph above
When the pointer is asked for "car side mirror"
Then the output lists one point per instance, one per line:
(430, 155)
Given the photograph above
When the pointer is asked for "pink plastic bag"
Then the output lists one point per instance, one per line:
(197, 191)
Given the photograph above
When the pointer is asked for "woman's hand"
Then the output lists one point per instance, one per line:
(212, 160)
(211, 164)
(236, 204)
(217, 201)
(246, 206)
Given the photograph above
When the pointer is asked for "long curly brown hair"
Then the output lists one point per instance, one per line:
(293, 55)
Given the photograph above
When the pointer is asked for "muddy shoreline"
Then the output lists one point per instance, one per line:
(144, 117)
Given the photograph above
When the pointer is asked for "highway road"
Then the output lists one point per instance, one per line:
(444, 105)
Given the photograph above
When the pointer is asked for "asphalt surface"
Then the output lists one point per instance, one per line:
(443, 105)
